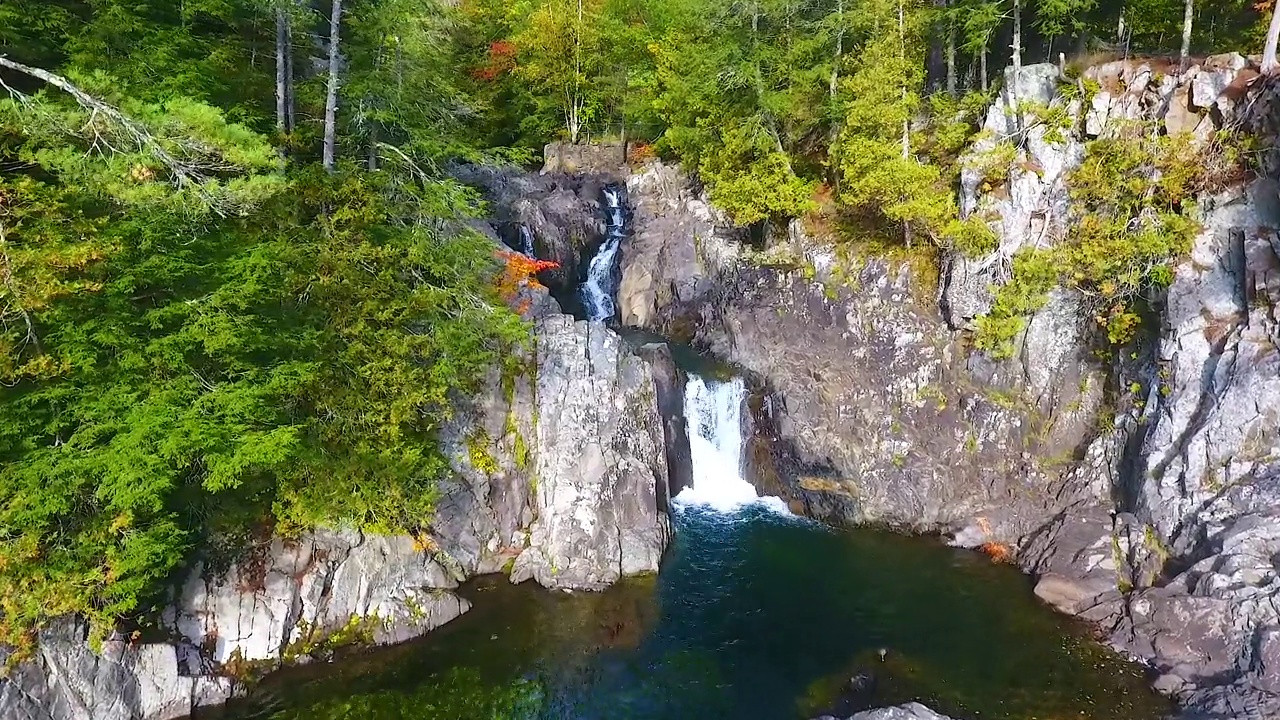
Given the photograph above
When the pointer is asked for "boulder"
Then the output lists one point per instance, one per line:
(1180, 117)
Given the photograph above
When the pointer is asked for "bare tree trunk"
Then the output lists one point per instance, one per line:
(906, 120)
(1017, 36)
(835, 61)
(1120, 27)
(982, 68)
(291, 122)
(282, 100)
(331, 97)
(575, 103)
(951, 56)
(1269, 64)
(1188, 18)
(902, 49)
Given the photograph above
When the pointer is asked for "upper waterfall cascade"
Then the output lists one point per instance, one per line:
(598, 290)
(714, 410)
(526, 241)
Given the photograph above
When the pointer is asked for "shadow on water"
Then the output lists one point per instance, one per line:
(755, 616)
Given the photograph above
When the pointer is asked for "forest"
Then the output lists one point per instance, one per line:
(237, 292)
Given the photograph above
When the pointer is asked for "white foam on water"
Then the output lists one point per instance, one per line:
(714, 412)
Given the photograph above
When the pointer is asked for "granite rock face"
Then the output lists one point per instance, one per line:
(1162, 528)
(601, 462)
(866, 407)
(1027, 202)
(561, 215)
(678, 248)
(125, 681)
(295, 594)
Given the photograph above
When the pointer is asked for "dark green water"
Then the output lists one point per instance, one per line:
(753, 617)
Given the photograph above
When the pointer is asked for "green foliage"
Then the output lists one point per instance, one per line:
(955, 126)
(478, 452)
(1034, 275)
(197, 341)
(971, 237)
(994, 165)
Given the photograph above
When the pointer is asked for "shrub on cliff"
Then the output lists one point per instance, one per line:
(1133, 221)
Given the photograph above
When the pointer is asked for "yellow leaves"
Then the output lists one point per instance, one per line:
(122, 522)
(141, 173)
(40, 367)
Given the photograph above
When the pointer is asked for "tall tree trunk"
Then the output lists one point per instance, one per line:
(290, 110)
(1188, 17)
(1269, 64)
(575, 103)
(982, 68)
(1017, 36)
(906, 120)
(835, 60)
(331, 96)
(951, 56)
(282, 71)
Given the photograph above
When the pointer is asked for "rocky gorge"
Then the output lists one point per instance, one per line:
(1140, 493)
(1149, 513)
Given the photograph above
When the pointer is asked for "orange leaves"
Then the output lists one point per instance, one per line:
(641, 153)
(520, 272)
(998, 552)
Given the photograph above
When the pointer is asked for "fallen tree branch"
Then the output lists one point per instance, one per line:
(185, 175)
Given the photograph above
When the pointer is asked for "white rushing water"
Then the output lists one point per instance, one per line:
(714, 411)
(597, 291)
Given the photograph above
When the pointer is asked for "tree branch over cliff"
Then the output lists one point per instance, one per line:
(204, 150)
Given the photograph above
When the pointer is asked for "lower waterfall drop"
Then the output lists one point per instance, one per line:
(714, 411)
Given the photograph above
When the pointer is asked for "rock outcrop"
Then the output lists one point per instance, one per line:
(561, 478)
(295, 596)
(561, 215)
(867, 408)
(1162, 527)
(126, 680)
(600, 464)
(1182, 569)
(1170, 531)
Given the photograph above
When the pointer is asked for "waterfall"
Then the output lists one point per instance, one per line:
(598, 290)
(714, 412)
(526, 241)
